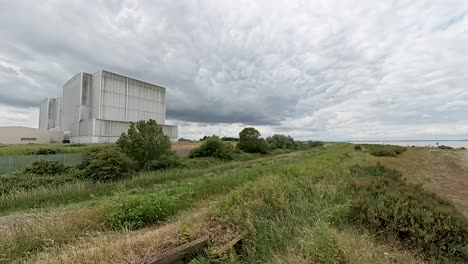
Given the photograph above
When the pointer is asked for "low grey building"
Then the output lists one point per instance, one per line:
(98, 107)
(29, 135)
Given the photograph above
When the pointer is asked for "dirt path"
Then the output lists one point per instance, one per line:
(443, 172)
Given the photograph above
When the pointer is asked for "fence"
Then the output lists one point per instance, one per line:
(15, 163)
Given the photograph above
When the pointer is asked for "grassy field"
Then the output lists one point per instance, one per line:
(33, 149)
(332, 204)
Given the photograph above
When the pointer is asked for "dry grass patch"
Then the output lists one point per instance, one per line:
(19, 241)
(130, 246)
(360, 247)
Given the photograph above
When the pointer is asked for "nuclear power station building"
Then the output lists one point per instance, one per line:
(98, 107)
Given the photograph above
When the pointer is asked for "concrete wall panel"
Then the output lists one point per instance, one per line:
(71, 105)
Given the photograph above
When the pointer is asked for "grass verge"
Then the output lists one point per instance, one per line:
(131, 211)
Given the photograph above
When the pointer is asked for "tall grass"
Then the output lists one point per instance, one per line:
(31, 149)
(305, 211)
(51, 196)
(282, 212)
(135, 210)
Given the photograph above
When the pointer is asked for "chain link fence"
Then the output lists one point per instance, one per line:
(16, 163)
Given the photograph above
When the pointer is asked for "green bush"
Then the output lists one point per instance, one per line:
(445, 147)
(358, 148)
(165, 161)
(46, 167)
(314, 144)
(44, 151)
(213, 147)
(144, 141)
(281, 142)
(384, 203)
(138, 211)
(250, 141)
(384, 150)
(106, 164)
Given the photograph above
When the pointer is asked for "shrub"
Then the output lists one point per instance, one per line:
(444, 147)
(383, 202)
(45, 151)
(383, 153)
(213, 147)
(165, 161)
(46, 167)
(281, 142)
(250, 141)
(357, 147)
(138, 211)
(314, 144)
(106, 164)
(384, 150)
(144, 141)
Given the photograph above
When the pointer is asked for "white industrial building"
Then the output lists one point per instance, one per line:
(49, 113)
(98, 107)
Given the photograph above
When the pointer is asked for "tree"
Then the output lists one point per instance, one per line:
(144, 141)
(250, 141)
(204, 138)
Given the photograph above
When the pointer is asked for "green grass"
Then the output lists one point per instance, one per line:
(136, 208)
(24, 182)
(45, 197)
(383, 202)
(31, 149)
(306, 212)
(281, 212)
(327, 205)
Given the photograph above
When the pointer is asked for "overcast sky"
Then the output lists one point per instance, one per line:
(341, 70)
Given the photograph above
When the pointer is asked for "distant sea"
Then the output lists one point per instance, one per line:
(419, 143)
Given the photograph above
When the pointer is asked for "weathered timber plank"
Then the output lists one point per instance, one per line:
(178, 254)
(230, 245)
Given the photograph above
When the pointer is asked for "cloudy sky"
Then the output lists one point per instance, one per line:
(318, 69)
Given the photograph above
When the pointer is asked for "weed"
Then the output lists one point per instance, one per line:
(138, 211)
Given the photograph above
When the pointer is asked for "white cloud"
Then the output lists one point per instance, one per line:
(330, 69)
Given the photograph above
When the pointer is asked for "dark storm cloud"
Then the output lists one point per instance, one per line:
(307, 67)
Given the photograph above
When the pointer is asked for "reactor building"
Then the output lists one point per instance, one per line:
(99, 107)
